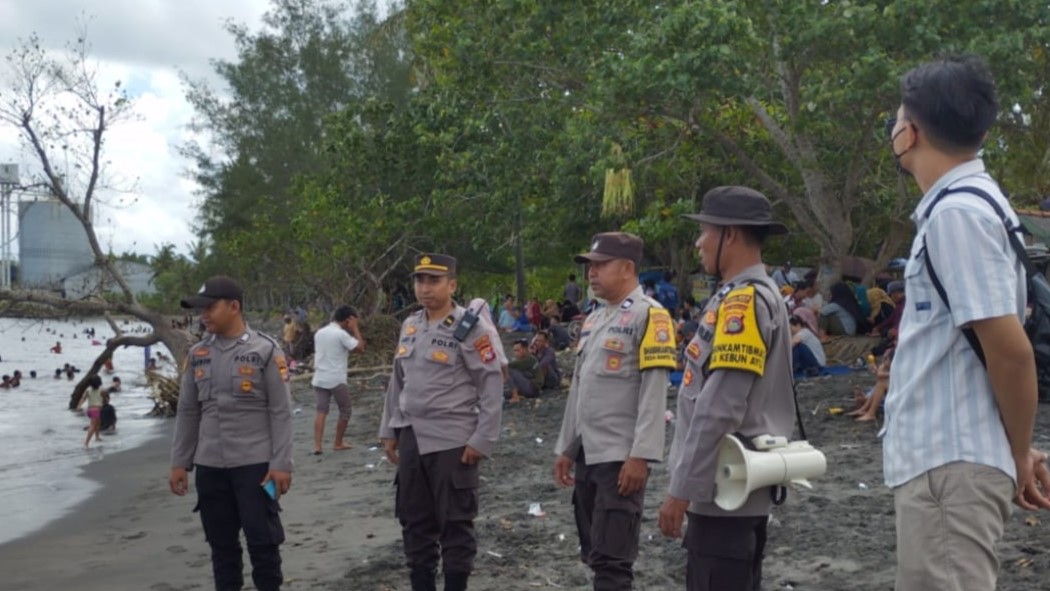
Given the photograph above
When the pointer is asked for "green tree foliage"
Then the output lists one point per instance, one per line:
(487, 128)
(267, 126)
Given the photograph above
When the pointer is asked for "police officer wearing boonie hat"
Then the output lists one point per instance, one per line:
(614, 417)
(441, 416)
(234, 425)
(737, 379)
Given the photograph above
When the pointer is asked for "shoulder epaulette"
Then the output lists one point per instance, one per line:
(272, 340)
(653, 302)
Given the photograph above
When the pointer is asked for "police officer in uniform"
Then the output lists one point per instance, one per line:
(440, 418)
(234, 426)
(614, 416)
(737, 380)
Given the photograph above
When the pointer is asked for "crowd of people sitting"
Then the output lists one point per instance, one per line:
(850, 309)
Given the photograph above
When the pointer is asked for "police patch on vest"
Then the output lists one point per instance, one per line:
(439, 356)
(484, 348)
(658, 347)
(710, 317)
(246, 370)
(246, 385)
(614, 345)
(614, 362)
(402, 351)
(282, 367)
(738, 343)
(693, 351)
(198, 373)
(410, 330)
(202, 352)
(687, 377)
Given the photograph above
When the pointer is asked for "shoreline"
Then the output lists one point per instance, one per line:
(43, 559)
(133, 533)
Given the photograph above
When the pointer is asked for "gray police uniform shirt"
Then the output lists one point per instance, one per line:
(234, 405)
(615, 410)
(449, 392)
(722, 391)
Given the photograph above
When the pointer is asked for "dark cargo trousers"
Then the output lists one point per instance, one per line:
(437, 501)
(724, 553)
(229, 500)
(607, 523)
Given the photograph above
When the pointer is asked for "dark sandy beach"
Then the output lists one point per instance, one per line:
(342, 535)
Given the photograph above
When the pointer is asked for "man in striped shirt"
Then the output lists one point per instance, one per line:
(956, 446)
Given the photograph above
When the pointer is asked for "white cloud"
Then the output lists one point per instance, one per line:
(144, 43)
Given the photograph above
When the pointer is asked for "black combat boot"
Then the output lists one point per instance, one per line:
(456, 581)
(424, 579)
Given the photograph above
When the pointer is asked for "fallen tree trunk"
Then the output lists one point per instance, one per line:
(111, 346)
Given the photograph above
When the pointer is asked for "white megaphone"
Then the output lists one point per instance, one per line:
(741, 471)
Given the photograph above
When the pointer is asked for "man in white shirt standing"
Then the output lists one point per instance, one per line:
(332, 344)
(958, 434)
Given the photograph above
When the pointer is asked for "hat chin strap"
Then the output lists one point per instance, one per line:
(718, 256)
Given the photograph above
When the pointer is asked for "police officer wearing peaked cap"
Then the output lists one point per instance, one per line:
(441, 416)
(614, 417)
(234, 426)
(726, 392)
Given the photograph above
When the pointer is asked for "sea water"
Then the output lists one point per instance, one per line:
(41, 441)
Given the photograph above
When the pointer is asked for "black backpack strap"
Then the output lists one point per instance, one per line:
(1011, 233)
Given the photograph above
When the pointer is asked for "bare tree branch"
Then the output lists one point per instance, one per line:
(111, 345)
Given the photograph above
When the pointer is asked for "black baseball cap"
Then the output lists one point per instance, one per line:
(613, 245)
(344, 312)
(219, 287)
(737, 206)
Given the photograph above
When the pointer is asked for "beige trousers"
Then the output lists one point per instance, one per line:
(949, 521)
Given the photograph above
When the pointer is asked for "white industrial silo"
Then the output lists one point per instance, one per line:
(52, 245)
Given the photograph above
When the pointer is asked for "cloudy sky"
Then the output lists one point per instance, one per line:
(144, 43)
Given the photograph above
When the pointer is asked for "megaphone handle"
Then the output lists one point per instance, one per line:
(779, 494)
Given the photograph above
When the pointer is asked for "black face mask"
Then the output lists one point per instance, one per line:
(890, 124)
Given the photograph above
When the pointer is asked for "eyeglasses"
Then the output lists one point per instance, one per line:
(890, 124)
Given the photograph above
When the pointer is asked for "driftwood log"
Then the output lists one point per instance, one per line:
(165, 393)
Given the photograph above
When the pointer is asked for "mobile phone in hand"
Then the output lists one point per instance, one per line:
(271, 489)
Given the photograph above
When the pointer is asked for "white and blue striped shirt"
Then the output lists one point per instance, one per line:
(940, 407)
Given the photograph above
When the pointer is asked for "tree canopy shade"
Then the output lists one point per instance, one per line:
(506, 132)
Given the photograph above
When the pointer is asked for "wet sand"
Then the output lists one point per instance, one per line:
(342, 534)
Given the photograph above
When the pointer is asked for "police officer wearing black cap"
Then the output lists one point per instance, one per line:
(234, 426)
(441, 416)
(614, 417)
(737, 380)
